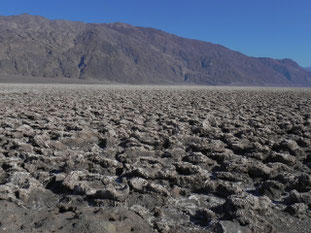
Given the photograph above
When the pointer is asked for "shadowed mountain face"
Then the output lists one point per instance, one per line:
(308, 69)
(37, 47)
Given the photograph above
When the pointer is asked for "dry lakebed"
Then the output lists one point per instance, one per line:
(116, 159)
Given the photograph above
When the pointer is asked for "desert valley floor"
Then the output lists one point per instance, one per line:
(87, 158)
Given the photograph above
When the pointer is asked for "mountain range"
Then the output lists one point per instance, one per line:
(33, 46)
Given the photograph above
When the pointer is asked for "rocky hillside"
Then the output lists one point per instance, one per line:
(33, 46)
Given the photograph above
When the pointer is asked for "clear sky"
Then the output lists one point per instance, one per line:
(269, 28)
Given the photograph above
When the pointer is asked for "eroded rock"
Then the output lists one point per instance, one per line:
(140, 159)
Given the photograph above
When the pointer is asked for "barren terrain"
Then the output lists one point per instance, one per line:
(60, 50)
(77, 158)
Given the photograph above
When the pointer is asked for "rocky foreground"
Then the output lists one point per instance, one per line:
(154, 159)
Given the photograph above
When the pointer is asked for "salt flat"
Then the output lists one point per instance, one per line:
(106, 158)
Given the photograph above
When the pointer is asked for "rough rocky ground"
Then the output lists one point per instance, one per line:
(154, 159)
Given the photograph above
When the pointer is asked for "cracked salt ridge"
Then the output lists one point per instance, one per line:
(189, 168)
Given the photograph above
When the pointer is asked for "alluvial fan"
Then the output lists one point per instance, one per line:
(79, 158)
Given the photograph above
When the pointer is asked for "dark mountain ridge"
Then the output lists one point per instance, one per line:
(37, 47)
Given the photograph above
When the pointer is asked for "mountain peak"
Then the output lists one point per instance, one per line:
(118, 52)
(121, 25)
(28, 17)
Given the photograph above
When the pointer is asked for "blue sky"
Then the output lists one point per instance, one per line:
(269, 28)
